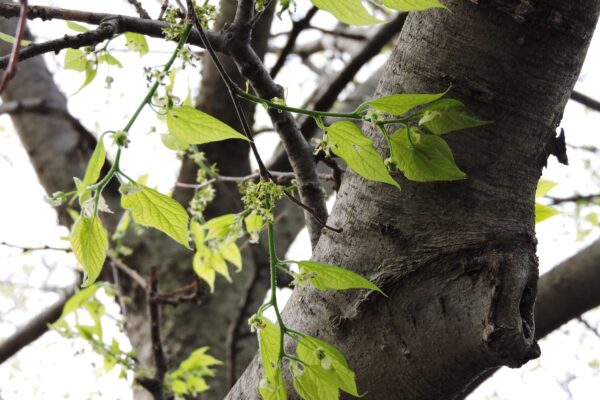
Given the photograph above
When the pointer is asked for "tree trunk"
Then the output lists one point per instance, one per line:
(457, 259)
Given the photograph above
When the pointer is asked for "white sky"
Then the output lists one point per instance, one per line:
(50, 368)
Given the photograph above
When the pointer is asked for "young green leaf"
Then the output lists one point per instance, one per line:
(543, 212)
(136, 42)
(400, 104)
(195, 127)
(329, 362)
(231, 252)
(188, 378)
(89, 242)
(273, 388)
(76, 27)
(11, 39)
(331, 277)
(423, 158)
(413, 5)
(91, 70)
(94, 167)
(254, 224)
(349, 143)
(448, 115)
(219, 227)
(109, 59)
(544, 186)
(76, 60)
(79, 298)
(311, 384)
(153, 209)
(268, 341)
(351, 12)
(204, 270)
(172, 143)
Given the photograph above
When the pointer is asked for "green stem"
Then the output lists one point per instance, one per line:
(166, 68)
(282, 107)
(273, 262)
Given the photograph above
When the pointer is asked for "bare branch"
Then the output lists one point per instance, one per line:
(585, 100)
(14, 54)
(297, 28)
(147, 27)
(160, 359)
(139, 8)
(34, 328)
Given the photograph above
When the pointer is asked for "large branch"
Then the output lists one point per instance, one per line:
(33, 329)
(153, 28)
(237, 45)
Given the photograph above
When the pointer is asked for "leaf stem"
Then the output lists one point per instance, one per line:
(166, 68)
(273, 262)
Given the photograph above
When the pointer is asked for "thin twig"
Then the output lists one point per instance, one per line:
(130, 272)
(574, 199)
(140, 9)
(106, 30)
(163, 9)
(14, 54)
(279, 177)
(160, 359)
(297, 28)
(585, 100)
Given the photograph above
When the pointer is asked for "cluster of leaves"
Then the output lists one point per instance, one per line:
(189, 378)
(88, 59)
(85, 306)
(417, 149)
(542, 211)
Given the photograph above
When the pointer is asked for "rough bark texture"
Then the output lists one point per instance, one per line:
(456, 259)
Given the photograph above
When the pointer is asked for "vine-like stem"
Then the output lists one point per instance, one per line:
(273, 263)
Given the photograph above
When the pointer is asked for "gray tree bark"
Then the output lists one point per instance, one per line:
(456, 259)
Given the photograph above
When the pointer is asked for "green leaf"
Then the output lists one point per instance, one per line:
(11, 39)
(413, 5)
(331, 277)
(268, 341)
(136, 42)
(91, 70)
(424, 158)
(311, 384)
(349, 143)
(231, 252)
(94, 167)
(543, 212)
(76, 27)
(254, 224)
(219, 227)
(153, 209)
(204, 270)
(172, 143)
(448, 115)
(89, 242)
(544, 186)
(329, 362)
(351, 12)
(273, 388)
(76, 60)
(79, 298)
(109, 59)
(399, 104)
(195, 127)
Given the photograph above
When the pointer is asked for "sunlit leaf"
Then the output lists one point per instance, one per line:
(350, 144)
(136, 42)
(153, 209)
(89, 241)
(400, 104)
(196, 127)
(351, 12)
(331, 277)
